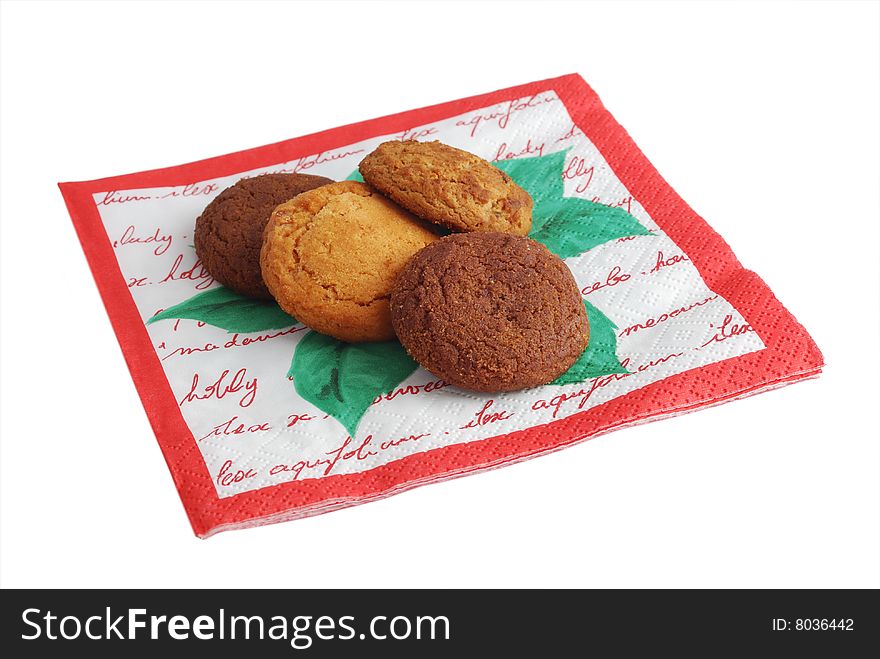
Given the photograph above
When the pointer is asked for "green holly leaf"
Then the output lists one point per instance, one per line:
(571, 226)
(568, 226)
(600, 357)
(229, 310)
(541, 177)
(343, 379)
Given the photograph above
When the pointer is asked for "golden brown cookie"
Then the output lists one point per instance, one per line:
(490, 312)
(229, 232)
(331, 255)
(448, 186)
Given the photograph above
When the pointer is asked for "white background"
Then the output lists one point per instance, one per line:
(763, 116)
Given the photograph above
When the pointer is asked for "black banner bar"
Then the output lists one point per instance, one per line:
(290, 623)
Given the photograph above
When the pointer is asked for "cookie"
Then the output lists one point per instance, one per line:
(331, 255)
(229, 232)
(448, 186)
(490, 312)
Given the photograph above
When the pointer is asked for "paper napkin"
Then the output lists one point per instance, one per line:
(262, 420)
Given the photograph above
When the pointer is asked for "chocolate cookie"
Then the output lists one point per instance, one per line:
(331, 255)
(490, 312)
(448, 186)
(229, 232)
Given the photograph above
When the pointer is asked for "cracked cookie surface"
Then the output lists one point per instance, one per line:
(490, 312)
(331, 255)
(448, 186)
(229, 232)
